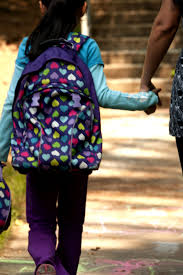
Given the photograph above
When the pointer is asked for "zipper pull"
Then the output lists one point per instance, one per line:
(35, 100)
(76, 98)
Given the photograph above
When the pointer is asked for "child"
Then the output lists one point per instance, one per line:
(69, 189)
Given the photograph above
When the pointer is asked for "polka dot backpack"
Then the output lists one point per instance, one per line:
(56, 118)
(5, 203)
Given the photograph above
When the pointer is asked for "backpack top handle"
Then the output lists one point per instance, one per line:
(56, 42)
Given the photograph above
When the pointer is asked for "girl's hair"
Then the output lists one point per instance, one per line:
(60, 19)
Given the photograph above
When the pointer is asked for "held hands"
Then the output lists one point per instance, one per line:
(155, 90)
(152, 108)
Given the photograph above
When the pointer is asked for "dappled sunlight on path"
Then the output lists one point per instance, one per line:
(135, 206)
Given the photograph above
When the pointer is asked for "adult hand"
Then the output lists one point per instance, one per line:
(152, 108)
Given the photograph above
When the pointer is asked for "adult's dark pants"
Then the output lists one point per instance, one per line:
(53, 199)
(179, 142)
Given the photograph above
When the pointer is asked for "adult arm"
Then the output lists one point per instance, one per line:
(162, 34)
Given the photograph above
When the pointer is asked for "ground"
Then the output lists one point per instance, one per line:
(134, 205)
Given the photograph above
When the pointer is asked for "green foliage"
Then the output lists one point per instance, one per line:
(3, 237)
(173, 73)
(17, 185)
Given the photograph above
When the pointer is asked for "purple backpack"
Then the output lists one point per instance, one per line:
(56, 118)
(5, 203)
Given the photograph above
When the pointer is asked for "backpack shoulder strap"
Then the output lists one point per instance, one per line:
(77, 39)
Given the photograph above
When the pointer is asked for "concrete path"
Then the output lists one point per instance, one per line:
(134, 218)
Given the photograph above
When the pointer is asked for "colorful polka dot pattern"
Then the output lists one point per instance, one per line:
(54, 121)
(5, 204)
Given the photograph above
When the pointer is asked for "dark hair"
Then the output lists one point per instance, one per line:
(179, 3)
(60, 19)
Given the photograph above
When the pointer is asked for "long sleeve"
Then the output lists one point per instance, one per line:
(116, 99)
(6, 125)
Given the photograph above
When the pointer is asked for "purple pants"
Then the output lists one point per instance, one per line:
(53, 199)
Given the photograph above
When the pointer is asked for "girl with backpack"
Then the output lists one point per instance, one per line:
(56, 88)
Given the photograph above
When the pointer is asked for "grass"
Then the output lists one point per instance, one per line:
(16, 183)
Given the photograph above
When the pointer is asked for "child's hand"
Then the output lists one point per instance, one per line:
(152, 108)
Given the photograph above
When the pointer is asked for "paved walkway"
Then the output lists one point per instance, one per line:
(135, 204)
